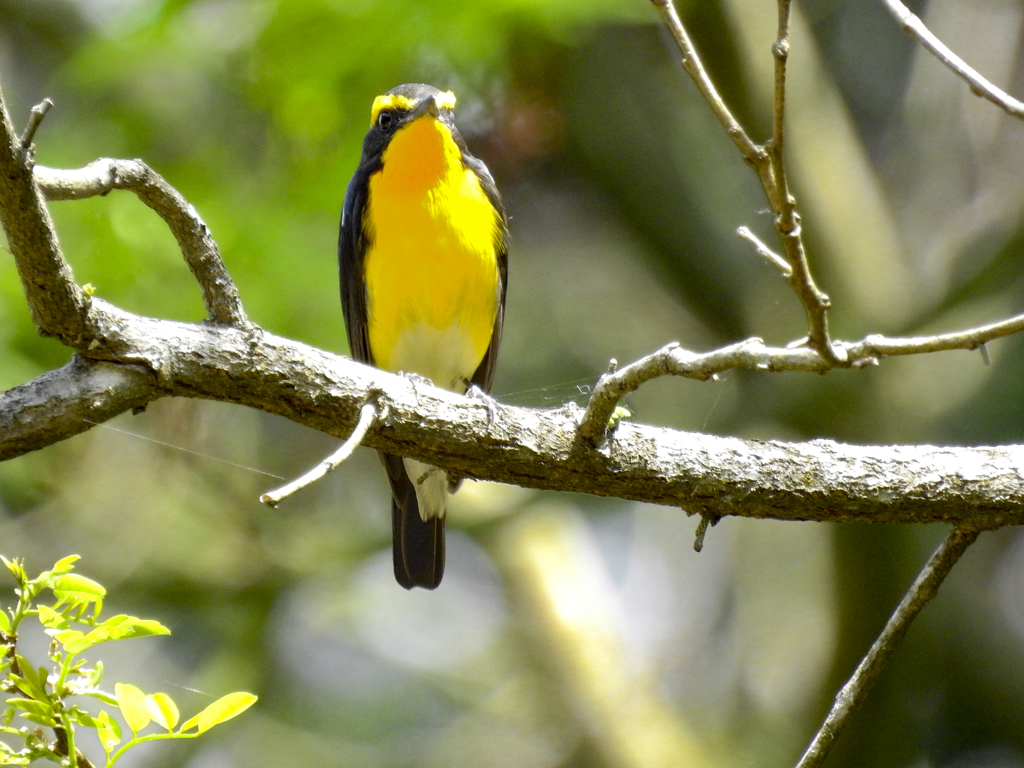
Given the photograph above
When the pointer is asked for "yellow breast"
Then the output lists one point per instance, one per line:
(431, 270)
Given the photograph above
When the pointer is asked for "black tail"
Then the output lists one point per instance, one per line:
(418, 545)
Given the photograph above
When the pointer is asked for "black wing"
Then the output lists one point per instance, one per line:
(351, 247)
(484, 376)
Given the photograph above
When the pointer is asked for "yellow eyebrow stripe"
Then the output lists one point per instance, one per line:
(445, 100)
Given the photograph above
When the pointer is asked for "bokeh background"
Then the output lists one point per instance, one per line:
(569, 631)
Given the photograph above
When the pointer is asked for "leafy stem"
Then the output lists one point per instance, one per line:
(31, 695)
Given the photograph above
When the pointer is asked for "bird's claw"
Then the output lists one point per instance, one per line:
(475, 393)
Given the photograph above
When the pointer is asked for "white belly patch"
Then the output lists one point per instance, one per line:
(445, 356)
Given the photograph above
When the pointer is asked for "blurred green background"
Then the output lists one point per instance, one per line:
(569, 631)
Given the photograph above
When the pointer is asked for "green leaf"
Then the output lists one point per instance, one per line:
(108, 730)
(132, 703)
(123, 627)
(5, 622)
(163, 710)
(621, 412)
(75, 588)
(65, 565)
(41, 708)
(84, 718)
(17, 569)
(72, 640)
(29, 681)
(36, 711)
(223, 709)
(49, 722)
(96, 693)
(50, 619)
(96, 674)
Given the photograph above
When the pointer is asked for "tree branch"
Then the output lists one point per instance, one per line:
(717, 476)
(852, 695)
(56, 302)
(768, 162)
(673, 360)
(220, 296)
(913, 26)
(753, 153)
(62, 403)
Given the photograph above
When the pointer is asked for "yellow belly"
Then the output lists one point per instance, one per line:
(431, 271)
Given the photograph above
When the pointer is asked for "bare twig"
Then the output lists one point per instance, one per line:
(913, 26)
(767, 161)
(780, 52)
(766, 253)
(787, 220)
(852, 695)
(702, 529)
(367, 415)
(220, 296)
(35, 117)
(673, 360)
(754, 153)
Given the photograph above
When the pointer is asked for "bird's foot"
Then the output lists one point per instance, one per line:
(415, 379)
(475, 393)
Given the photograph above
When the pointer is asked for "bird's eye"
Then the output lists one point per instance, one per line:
(384, 120)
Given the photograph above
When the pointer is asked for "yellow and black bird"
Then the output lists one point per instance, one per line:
(423, 262)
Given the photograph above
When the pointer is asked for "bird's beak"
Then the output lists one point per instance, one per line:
(426, 107)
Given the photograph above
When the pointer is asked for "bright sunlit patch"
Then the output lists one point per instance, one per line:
(445, 100)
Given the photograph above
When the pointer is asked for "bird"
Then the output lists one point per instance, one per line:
(423, 263)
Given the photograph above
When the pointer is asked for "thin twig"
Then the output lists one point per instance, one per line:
(754, 153)
(780, 52)
(35, 117)
(787, 220)
(767, 161)
(852, 695)
(913, 26)
(673, 360)
(702, 529)
(220, 296)
(367, 415)
(766, 253)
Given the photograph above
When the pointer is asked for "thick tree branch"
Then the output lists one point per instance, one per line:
(62, 403)
(56, 302)
(197, 245)
(852, 695)
(913, 26)
(820, 480)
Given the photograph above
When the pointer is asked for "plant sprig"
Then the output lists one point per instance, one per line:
(42, 696)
